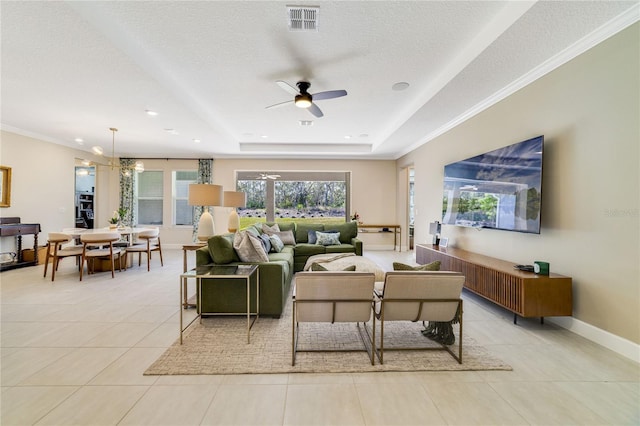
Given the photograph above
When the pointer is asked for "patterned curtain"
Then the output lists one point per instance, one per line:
(205, 173)
(127, 187)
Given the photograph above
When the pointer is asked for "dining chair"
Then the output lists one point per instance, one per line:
(96, 245)
(420, 296)
(150, 243)
(56, 250)
(327, 296)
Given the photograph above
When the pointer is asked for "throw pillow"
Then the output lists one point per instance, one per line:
(319, 267)
(253, 230)
(276, 243)
(286, 237)
(221, 247)
(311, 239)
(270, 230)
(249, 247)
(433, 266)
(266, 243)
(327, 238)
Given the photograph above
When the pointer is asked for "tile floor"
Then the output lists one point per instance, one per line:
(73, 353)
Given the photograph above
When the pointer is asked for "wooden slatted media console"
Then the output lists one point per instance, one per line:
(524, 293)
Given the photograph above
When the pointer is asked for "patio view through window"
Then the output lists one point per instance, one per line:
(319, 197)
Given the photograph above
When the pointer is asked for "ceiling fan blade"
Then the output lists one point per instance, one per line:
(278, 104)
(329, 94)
(313, 109)
(287, 87)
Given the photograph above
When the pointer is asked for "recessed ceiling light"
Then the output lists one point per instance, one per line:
(264, 136)
(79, 140)
(151, 113)
(197, 140)
(172, 131)
(306, 122)
(364, 135)
(400, 86)
(347, 136)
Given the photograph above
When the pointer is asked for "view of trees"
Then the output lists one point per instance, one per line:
(296, 199)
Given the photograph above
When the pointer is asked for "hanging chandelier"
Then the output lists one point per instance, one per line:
(113, 162)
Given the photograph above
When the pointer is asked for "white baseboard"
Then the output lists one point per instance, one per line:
(617, 344)
(378, 247)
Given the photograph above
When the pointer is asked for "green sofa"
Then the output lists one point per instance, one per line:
(276, 275)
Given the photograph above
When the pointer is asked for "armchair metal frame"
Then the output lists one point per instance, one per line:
(422, 313)
(333, 288)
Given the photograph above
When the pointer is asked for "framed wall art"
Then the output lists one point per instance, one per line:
(5, 186)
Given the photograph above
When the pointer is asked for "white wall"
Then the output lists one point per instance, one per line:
(589, 112)
(42, 185)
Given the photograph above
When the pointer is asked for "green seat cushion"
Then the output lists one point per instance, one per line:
(342, 248)
(309, 249)
(433, 266)
(221, 249)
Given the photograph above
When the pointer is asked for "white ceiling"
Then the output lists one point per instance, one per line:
(73, 69)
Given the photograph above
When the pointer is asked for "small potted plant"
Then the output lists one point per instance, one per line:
(113, 222)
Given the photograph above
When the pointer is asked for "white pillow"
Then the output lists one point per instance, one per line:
(249, 247)
(327, 238)
(270, 230)
(286, 237)
(276, 243)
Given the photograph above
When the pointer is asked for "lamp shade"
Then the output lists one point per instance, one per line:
(235, 199)
(204, 194)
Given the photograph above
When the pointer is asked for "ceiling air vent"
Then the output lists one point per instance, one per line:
(303, 18)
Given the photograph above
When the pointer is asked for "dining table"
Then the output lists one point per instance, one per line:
(127, 233)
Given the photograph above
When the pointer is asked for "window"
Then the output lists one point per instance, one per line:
(255, 210)
(150, 197)
(183, 212)
(294, 196)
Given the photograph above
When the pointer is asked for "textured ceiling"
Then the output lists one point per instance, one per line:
(73, 69)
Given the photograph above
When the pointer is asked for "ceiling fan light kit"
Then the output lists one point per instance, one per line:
(303, 99)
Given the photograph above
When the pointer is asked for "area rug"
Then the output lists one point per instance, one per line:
(219, 346)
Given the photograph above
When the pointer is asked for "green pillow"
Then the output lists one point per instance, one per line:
(319, 267)
(433, 266)
(221, 248)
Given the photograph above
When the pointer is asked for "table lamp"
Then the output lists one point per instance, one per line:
(234, 199)
(204, 194)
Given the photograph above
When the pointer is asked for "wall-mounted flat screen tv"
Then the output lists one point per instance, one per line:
(500, 189)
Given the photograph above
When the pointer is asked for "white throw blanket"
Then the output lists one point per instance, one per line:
(337, 262)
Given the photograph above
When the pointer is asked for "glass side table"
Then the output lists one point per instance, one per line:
(246, 273)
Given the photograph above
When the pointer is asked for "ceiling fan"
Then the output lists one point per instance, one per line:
(304, 99)
(265, 176)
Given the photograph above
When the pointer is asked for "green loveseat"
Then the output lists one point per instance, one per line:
(276, 275)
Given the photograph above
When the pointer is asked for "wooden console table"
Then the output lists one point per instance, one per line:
(12, 227)
(523, 293)
(397, 234)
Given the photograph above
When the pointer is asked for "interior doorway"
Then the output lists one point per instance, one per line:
(85, 196)
(411, 206)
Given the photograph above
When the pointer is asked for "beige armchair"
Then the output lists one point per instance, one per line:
(420, 296)
(325, 296)
(100, 245)
(57, 250)
(150, 242)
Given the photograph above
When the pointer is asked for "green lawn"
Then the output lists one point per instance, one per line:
(247, 221)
